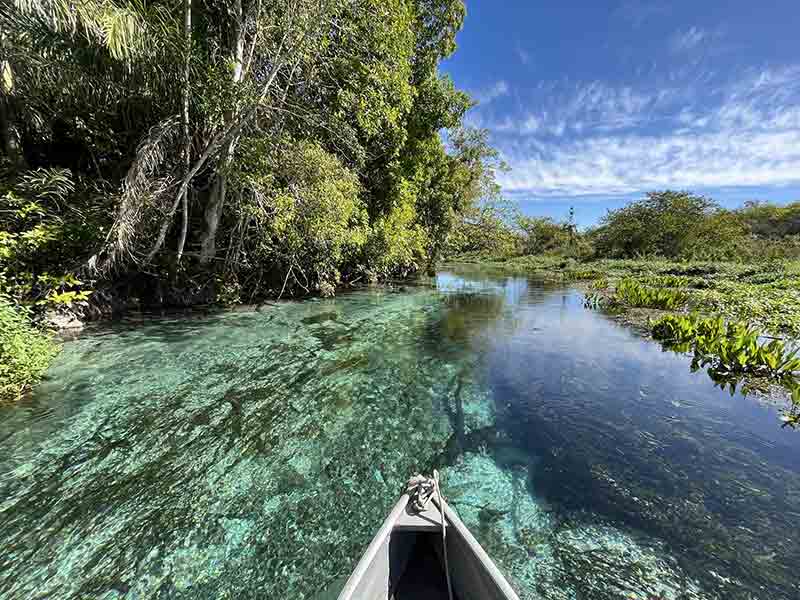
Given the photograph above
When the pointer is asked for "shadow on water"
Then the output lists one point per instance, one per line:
(254, 454)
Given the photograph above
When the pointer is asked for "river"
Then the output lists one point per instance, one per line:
(253, 454)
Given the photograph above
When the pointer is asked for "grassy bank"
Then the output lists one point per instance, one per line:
(756, 302)
(25, 353)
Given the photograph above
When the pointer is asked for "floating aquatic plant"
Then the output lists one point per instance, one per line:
(666, 281)
(601, 283)
(631, 292)
(733, 347)
(582, 274)
(732, 351)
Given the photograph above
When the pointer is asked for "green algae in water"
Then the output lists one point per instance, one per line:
(255, 454)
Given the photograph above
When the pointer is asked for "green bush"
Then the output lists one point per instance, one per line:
(674, 225)
(25, 352)
(48, 222)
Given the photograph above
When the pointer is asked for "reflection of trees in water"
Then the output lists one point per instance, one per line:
(466, 315)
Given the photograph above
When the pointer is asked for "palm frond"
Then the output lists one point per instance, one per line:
(127, 31)
(142, 193)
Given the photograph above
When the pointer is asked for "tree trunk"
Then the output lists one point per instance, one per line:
(216, 199)
(227, 135)
(213, 214)
(187, 148)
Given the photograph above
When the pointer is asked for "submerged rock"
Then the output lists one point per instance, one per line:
(62, 321)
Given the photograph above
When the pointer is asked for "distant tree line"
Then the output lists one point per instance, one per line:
(668, 224)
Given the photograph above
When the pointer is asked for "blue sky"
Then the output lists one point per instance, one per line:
(593, 103)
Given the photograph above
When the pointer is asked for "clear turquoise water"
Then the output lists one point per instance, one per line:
(254, 454)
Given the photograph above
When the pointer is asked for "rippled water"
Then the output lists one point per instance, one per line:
(254, 454)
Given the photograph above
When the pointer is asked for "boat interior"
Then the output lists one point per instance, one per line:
(417, 571)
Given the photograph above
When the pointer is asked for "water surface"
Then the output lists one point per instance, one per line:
(254, 454)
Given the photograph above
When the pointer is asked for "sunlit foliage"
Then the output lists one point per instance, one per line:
(25, 352)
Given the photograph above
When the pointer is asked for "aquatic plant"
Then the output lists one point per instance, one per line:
(631, 292)
(601, 283)
(582, 274)
(727, 348)
(666, 281)
(791, 417)
(772, 308)
(727, 289)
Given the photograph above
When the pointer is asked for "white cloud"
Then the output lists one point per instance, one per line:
(683, 41)
(619, 140)
(634, 163)
(496, 90)
(592, 107)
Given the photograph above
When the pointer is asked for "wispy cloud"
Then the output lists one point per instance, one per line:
(638, 12)
(496, 90)
(612, 165)
(602, 139)
(688, 39)
(523, 55)
(696, 39)
(593, 107)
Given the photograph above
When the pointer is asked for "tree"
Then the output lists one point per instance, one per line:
(770, 221)
(542, 234)
(661, 224)
(185, 115)
(486, 229)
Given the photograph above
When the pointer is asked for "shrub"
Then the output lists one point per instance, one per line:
(671, 224)
(25, 352)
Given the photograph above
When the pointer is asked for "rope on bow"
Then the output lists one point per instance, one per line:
(420, 490)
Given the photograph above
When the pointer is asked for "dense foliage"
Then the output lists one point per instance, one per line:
(233, 147)
(25, 352)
